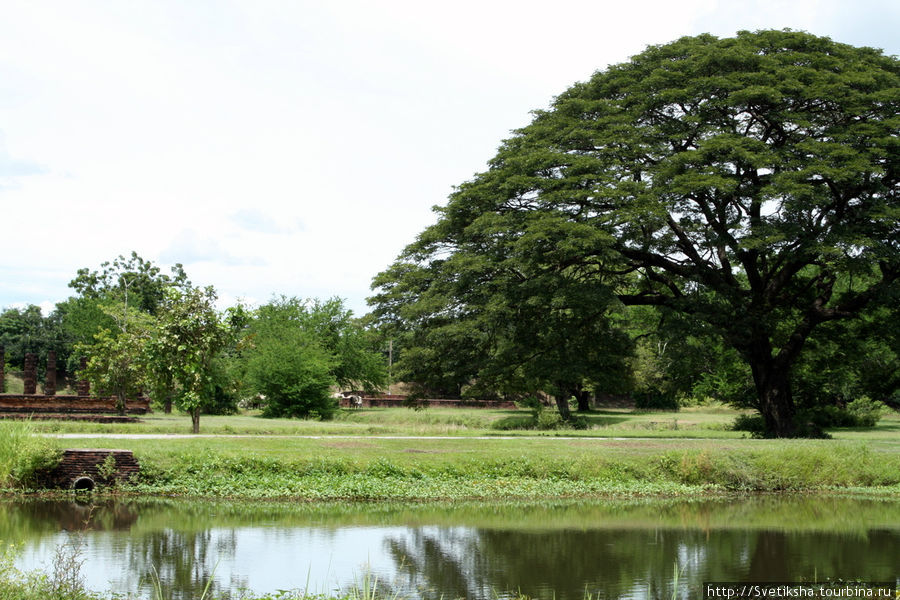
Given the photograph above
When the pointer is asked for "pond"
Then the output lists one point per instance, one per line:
(561, 549)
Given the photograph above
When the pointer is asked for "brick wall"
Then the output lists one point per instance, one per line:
(79, 463)
(19, 403)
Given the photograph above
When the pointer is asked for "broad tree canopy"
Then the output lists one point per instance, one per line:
(751, 182)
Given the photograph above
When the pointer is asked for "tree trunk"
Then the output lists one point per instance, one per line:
(120, 404)
(195, 420)
(167, 405)
(562, 404)
(584, 400)
(773, 389)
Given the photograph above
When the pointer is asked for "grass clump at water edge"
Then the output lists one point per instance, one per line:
(24, 456)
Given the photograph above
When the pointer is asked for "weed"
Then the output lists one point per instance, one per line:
(23, 456)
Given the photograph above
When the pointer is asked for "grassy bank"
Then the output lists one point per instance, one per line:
(453, 468)
(684, 453)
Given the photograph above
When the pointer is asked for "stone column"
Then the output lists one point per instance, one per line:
(2, 370)
(50, 376)
(84, 386)
(30, 374)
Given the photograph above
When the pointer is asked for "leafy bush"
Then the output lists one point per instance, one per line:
(293, 372)
(862, 412)
(755, 425)
(866, 411)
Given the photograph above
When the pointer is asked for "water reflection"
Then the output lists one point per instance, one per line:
(478, 550)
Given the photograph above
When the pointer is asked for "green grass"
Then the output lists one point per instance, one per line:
(692, 422)
(454, 468)
(705, 422)
(623, 452)
(23, 455)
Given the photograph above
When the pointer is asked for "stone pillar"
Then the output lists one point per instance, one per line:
(30, 373)
(2, 370)
(50, 375)
(84, 386)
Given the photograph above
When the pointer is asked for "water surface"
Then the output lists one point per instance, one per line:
(560, 549)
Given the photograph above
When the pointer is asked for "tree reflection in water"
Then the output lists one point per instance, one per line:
(477, 550)
(183, 562)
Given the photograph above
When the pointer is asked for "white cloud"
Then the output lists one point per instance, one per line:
(294, 147)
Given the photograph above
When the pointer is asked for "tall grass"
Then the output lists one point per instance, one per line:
(23, 456)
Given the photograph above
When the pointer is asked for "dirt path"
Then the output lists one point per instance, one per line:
(185, 436)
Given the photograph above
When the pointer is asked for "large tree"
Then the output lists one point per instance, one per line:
(732, 180)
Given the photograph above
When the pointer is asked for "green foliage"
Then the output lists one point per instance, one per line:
(25, 330)
(733, 181)
(541, 418)
(655, 400)
(189, 335)
(862, 412)
(866, 411)
(24, 456)
(117, 359)
(133, 281)
(293, 373)
(295, 352)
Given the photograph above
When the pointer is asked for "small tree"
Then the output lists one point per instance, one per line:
(117, 359)
(296, 351)
(189, 335)
(292, 370)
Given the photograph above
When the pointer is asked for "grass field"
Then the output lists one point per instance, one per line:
(705, 422)
(448, 468)
(462, 454)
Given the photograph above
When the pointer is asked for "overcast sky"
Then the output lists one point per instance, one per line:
(295, 147)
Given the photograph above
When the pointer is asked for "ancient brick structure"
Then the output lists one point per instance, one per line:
(30, 373)
(2, 369)
(50, 375)
(84, 386)
(64, 404)
(83, 469)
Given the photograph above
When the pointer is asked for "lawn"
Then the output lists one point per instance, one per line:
(703, 422)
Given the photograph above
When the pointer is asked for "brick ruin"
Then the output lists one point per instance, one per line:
(30, 374)
(50, 375)
(82, 469)
(84, 386)
(81, 406)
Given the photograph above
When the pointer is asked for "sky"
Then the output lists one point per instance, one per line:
(295, 147)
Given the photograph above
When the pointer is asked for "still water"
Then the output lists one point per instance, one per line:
(611, 549)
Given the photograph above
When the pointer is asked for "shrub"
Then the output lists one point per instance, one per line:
(755, 425)
(866, 411)
(292, 371)
(862, 412)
